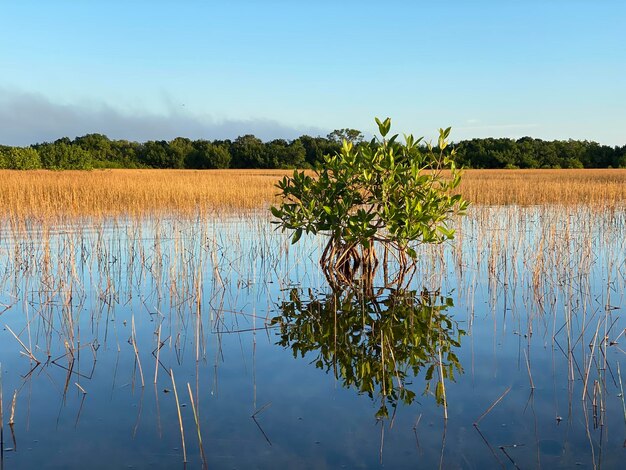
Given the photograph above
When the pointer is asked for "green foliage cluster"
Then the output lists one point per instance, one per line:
(375, 344)
(64, 156)
(535, 153)
(304, 152)
(19, 158)
(386, 192)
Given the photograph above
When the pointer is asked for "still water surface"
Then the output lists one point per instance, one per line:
(522, 316)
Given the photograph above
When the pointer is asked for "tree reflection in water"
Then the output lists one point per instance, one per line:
(377, 344)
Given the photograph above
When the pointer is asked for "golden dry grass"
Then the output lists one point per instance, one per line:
(132, 192)
(605, 187)
(47, 194)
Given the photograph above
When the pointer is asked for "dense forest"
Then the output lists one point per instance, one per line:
(98, 151)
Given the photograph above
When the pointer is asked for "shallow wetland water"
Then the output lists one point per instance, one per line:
(110, 328)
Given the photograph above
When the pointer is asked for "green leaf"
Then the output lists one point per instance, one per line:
(439, 392)
(383, 127)
(296, 236)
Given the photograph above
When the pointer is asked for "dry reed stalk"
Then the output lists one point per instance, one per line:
(488, 410)
(134, 340)
(257, 423)
(180, 417)
(156, 366)
(197, 420)
(593, 348)
(530, 375)
(443, 386)
(198, 311)
(28, 351)
(485, 413)
(417, 423)
(594, 402)
(13, 403)
(621, 389)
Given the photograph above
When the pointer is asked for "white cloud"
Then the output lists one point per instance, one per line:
(27, 118)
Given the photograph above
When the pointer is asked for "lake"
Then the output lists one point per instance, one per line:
(503, 348)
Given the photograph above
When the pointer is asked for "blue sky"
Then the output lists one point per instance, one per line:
(205, 69)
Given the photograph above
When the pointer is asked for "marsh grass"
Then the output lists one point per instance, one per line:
(49, 195)
(602, 187)
(96, 194)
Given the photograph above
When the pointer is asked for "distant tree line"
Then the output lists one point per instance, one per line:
(536, 153)
(98, 151)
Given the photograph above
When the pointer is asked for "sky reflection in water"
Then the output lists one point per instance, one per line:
(529, 301)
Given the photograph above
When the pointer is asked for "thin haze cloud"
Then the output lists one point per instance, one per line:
(28, 118)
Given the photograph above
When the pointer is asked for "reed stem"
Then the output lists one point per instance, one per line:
(180, 417)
